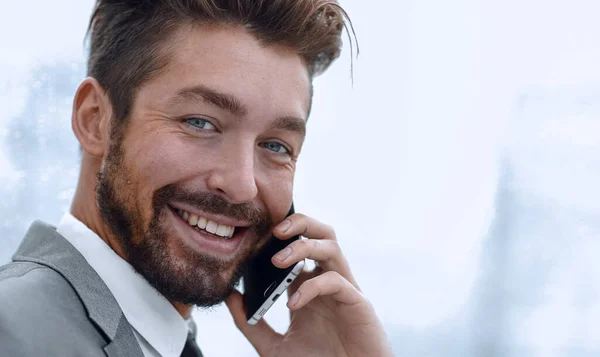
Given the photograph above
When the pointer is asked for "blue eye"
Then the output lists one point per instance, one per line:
(200, 124)
(276, 147)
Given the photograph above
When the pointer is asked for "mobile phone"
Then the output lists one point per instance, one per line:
(264, 283)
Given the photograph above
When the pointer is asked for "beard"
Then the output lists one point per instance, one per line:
(178, 272)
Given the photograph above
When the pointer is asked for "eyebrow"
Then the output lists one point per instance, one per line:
(231, 104)
(293, 124)
(222, 100)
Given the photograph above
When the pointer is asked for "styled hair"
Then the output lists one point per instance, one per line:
(129, 39)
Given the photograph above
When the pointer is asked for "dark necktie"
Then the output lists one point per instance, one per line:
(191, 348)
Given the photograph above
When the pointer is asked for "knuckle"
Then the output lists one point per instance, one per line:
(331, 250)
(302, 244)
(305, 226)
(320, 283)
(300, 216)
(306, 223)
(334, 280)
(335, 247)
(308, 285)
(333, 276)
(330, 231)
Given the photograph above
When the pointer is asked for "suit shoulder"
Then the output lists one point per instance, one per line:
(38, 303)
(14, 270)
(22, 282)
(37, 288)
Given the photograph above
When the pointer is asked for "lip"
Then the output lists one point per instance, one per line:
(205, 243)
(228, 221)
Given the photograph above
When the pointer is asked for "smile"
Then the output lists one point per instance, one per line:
(219, 236)
(206, 225)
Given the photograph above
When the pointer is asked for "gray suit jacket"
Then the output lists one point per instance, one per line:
(52, 303)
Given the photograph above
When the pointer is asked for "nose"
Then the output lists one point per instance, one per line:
(234, 175)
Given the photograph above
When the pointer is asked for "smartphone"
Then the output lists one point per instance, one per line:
(264, 283)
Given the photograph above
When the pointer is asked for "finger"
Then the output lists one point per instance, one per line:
(326, 252)
(302, 277)
(327, 284)
(261, 336)
(299, 224)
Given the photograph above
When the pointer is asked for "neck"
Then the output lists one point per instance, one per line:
(184, 310)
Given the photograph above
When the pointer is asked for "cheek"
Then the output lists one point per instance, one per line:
(276, 191)
(166, 160)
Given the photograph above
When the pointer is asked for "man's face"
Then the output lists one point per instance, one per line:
(206, 164)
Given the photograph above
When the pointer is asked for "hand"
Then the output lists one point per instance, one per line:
(329, 315)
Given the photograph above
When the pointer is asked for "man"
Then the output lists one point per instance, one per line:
(190, 123)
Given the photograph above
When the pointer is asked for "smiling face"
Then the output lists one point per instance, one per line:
(206, 162)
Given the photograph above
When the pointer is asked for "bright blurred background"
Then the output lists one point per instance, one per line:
(461, 169)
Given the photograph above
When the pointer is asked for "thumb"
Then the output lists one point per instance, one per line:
(261, 336)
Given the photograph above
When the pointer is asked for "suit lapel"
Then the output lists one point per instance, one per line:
(121, 345)
(43, 245)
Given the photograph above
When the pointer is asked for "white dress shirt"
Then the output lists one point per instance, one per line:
(160, 330)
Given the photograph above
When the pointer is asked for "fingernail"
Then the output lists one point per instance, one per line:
(282, 255)
(283, 226)
(294, 299)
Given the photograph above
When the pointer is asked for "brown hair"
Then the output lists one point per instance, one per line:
(128, 36)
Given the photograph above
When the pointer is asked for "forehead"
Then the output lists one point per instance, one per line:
(265, 78)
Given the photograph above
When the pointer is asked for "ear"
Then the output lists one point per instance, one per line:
(91, 117)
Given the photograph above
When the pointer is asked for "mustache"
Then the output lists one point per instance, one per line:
(212, 203)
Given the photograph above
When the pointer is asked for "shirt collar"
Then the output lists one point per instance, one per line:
(149, 312)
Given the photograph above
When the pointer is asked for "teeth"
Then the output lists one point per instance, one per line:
(222, 230)
(211, 226)
(202, 223)
(208, 225)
